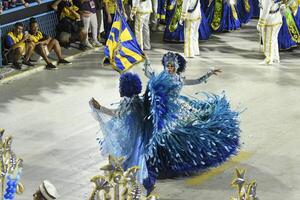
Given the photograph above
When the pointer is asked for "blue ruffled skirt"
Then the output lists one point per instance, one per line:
(284, 38)
(244, 16)
(178, 34)
(204, 29)
(204, 5)
(256, 9)
(228, 22)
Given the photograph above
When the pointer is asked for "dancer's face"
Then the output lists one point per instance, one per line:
(171, 69)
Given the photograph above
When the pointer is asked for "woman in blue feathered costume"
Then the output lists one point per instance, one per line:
(177, 35)
(222, 15)
(189, 134)
(164, 132)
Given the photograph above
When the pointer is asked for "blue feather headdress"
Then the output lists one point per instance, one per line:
(174, 59)
(130, 85)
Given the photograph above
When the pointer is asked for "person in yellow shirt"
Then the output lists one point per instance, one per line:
(110, 8)
(70, 27)
(18, 45)
(45, 44)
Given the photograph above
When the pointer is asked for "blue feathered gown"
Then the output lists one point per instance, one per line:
(228, 21)
(178, 34)
(188, 134)
(244, 14)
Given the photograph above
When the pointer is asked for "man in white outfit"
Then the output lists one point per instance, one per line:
(141, 10)
(269, 24)
(191, 15)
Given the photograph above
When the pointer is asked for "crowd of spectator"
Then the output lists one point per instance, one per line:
(7, 4)
(21, 45)
(87, 22)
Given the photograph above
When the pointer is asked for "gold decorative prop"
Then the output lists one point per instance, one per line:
(117, 184)
(11, 168)
(246, 191)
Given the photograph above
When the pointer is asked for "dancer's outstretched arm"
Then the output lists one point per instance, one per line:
(98, 108)
(202, 78)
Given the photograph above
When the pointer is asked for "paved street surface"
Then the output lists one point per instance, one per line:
(48, 115)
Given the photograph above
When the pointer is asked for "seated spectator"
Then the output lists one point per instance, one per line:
(87, 10)
(17, 45)
(45, 44)
(70, 27)
(46, 191)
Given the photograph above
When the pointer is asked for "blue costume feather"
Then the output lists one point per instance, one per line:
(162, 93)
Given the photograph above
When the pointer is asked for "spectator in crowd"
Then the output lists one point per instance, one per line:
(26, 4)
(70, 27)
(1, 7)
(6, 4)
(99, 13)
(45, 44)
(46, 191)
(87, 10)
(128, 8)
(17, 45)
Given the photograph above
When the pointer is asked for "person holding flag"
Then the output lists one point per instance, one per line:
(110, 8)
(141, 10)
(122, 50)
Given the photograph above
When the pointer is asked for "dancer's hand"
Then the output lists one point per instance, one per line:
(109, 19)
(132, 14)
(181, 21)
(216, 71)
(259, 28)
(95, 103)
